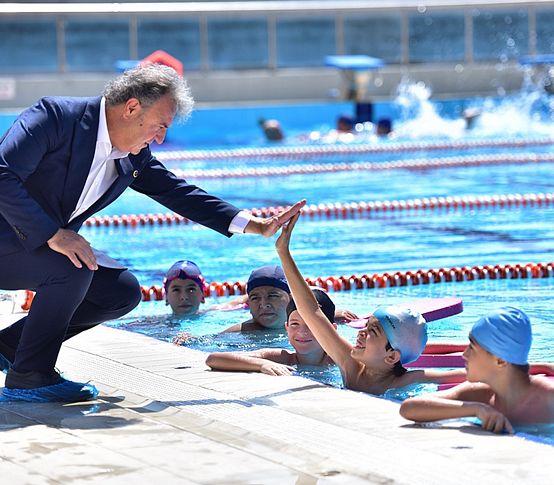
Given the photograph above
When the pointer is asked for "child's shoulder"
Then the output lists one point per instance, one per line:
(543, 385)
(250, 326)
(538, 404)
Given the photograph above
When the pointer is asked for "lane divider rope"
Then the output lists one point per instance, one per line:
(387, 280)
(414, 164)
(376, 280)
(301, 151)
(349, 210)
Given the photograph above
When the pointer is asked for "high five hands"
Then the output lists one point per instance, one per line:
(283, 241)
(268, 227)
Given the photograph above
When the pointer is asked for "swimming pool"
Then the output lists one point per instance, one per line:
(426, 212)
(390, 240)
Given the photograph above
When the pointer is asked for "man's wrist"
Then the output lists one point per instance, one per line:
(239, 222)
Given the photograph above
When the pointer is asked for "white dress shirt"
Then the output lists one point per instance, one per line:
(103, 173)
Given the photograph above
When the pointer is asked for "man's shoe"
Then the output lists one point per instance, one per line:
(39, 387)
(5, 363)
(31, 379)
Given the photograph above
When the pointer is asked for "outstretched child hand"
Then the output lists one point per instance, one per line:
(283, 241)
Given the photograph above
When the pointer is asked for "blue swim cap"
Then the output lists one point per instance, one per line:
(505, 333)
(405, 329)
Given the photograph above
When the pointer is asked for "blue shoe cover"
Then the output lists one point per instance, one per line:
(5, 364)
(66, 391)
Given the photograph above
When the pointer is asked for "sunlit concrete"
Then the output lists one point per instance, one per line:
(162, 415)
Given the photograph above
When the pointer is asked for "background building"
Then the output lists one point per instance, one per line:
(272, 50)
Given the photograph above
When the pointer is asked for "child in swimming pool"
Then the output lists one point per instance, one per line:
(267, 298)
(279, 362)
(184, 288)
(499, 390)
(392, 336)
(268, 295)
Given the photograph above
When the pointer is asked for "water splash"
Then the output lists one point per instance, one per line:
(419, 117)
(530, 112)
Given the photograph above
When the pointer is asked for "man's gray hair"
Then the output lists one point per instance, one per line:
(148, 83)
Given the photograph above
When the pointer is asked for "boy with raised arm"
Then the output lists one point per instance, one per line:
(393, 336)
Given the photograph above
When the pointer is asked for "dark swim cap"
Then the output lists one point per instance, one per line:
(325, 303)
(267, 276)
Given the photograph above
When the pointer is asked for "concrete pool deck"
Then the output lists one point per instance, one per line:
(163, 416)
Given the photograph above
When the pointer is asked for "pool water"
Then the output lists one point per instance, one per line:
(354, 245)
(359, 185)
(154, 318)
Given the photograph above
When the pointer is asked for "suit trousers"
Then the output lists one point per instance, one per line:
(68, 300)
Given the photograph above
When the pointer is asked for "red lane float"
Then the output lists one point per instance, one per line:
(350, 210)
(415, 164)
(385, 280)
(302, 151)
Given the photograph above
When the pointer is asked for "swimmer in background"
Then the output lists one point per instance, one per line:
(279, 361)
(393, 336)
(384, 127)
(345, 124)
(272, 129)
(499, 390)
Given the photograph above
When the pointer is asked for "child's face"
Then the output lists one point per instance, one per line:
(184, 296)
(371, 343)
(268, 306)
(300, 336)
(479, 362)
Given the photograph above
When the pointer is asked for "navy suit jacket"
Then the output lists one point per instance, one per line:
(45, 158)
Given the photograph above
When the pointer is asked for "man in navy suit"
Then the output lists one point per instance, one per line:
(63, 160)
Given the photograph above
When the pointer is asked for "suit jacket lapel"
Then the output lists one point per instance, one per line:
(124, 166)
(82, 154)
(125, 170)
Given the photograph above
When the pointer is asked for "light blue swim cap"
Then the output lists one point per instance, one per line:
(505, 333)
(405, 329)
